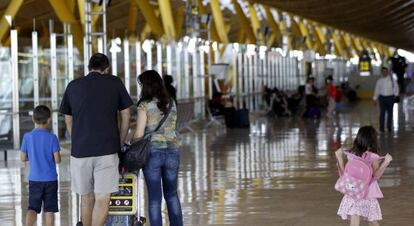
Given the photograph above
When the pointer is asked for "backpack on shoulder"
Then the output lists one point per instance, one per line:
(356, 178)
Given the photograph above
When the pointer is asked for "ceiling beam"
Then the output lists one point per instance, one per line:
(255, 23)
(179, 15)
(244, 23)
(305, 33)
(66, 16)
(11, 11)
(152, 19)
(132, 18)
(167, 19)
(219, 21)
(276, 34)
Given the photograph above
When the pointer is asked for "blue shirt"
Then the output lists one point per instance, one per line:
(39, 145)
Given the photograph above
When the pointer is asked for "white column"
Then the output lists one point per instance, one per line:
(235, 72)
(138, 66)
(169, 59)
(251, 77)
(54, 94)
(201, 81)
(114, 57)
(202, 73)
(186, 72)
(269, 68)
(196, 88)
(14, 64)
(239, 90)
(86, 60)
(100, 45)
(178, 76)
(127, 65)
(35, 62)
(70, 58)
(256, 79)
(159, 58)
(149, 58)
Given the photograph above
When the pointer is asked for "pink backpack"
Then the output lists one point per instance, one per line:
(357, 176)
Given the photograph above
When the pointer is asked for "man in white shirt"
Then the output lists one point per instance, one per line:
(386, 90)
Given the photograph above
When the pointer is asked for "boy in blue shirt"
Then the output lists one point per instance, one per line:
(41, 149)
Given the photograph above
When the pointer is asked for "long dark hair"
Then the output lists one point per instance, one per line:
(153, 87)
(366, 140)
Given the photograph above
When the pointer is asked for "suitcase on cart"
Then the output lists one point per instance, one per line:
(124, 205)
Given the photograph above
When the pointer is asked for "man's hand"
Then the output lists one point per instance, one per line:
(125, 120)
(69, 123)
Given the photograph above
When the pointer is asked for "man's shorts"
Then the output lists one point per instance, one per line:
(95, 174)
(45, 193)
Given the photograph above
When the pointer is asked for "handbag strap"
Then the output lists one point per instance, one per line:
(162, 120)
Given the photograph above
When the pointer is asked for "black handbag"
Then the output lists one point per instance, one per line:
(136, 155)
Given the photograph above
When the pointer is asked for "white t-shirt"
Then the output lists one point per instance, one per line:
(386, 86)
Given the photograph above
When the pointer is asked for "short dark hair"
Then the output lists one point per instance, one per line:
(41, 114)
(99, 62)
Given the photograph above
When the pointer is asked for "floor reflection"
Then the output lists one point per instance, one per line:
(280, 172)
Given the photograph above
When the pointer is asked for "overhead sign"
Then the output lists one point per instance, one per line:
(364, 64)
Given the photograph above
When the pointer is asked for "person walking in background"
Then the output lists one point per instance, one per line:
(91, 105)
(161, 170)
(41, 148)
(332, 92)
(399, 64)
(168, 81)
(311, 92)
(365, 149)
(409, 90)
(386, 90)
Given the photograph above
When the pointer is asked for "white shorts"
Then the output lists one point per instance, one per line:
(95, 174)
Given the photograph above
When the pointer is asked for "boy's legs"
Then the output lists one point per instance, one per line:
(31, 218)
(50, 218)
(50, 201)
(35, 202)
(354, 220)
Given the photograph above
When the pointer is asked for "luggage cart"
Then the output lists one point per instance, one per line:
(124, 205)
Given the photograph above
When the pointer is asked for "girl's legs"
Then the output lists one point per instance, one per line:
(374, 223)
(354, 220)
(169, 182)
(152, 174)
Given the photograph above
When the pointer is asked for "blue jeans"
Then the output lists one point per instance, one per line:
(163, 166)
(386, 106)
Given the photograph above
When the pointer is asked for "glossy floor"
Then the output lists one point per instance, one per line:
(280, 172)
